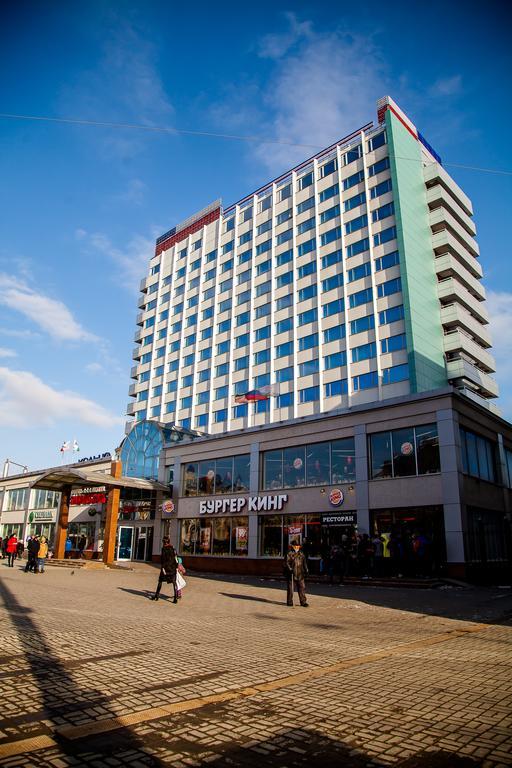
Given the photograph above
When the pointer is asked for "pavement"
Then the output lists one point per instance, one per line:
(93, 673)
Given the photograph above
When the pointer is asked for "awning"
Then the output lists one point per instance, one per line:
(57, 479)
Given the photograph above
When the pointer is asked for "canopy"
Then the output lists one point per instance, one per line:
(57, 479)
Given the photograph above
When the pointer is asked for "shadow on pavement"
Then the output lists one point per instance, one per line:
(56, 689)
(251, 597)
(147, 593)
(300, 748)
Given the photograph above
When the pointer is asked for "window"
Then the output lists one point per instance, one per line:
(202, 420)
(228, 247)
(229, 224)
(284, 279)
(306, 247)
(305, 226)
(336, 333)
(243, 277)
(265, 266)
(155, 270)
(265, 204)
(336, 360)
(377, 141)
(144, 376)
(284, 216)
(157, 391)
(366, 323)
(354, 202)
(478, 456)
(225, 306)
(360, 246)
(149, 322)
(391, 315)
(284, 237)
(174, 346)
(315, 464)
(164, 315)
(387, 261)
(263, 356)
(284, 374)
(242, 340)
(17, 499)
(284, 258)
(284, 301)
(243, 318)
(329, 214)
(305, 181)
(330, 236)
(285, 400)
(143, 395)
(202, 398)
(243, 297)
(309, 395)
(187, 381)
(389, 287)
(385, 236)
(262, 406)
(206, 333)
(311, 316)
(383, 212)
(285, 192)
(173, 366)
(328, 168)
(381, 189)
(224, 326)
(244, 257)
(221, 392)
(191, 320)
(307, 293)
(357, 273)
(246, 214)
(193, 301)
(376, 168)
(364, 352)
(265, 227)
(263, 247)
(204, 375)
(336, 388)
(222, 369)
(146, 358)
(353, 154)
(211, 256)
(195, 264)
(336, 281)
(305, 205)
(262, 333)
(365, 381)
(241, 363)
(284, 325)
(262, 311)
(360, 297)
(404, 452)
(355, 224)
(240, 411)
(309, 367)
(189, 360)
(306, 269)
(159, 371)
(226, 285)
(308, 342)
(395, 374)
(223, 347)
(263, 380)
(162, 333)
(221, 415)
(226, 266)
(356, 178)
(328, 193)
(333, 307)
(283, 350)
(205, 354)
(170, 407)
(332, 258)
(43, 499)
(149, 339)
(186, 402)
(393, 343)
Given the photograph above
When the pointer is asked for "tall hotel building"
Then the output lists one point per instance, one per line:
(352, 279)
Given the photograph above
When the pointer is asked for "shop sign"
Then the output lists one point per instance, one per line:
(234, 506)
(106, 455)
(336, 497)
(242, 537)
(167, 508)
(88, 496)
(340, 518)
(42, 515)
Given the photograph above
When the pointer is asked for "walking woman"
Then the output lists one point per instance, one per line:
(12, 548)
(168, 567)
(42, 554)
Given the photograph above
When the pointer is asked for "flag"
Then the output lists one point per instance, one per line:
(76, 447)
(254, 395)
(66, 446)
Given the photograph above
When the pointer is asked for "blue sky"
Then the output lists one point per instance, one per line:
(81, 206)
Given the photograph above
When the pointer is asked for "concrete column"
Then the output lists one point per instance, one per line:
(451, 474)
(62, 523)
(252, 550)
(109, 543)
(254, 483)
(362, 495)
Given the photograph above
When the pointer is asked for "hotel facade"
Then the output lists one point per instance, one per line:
(350, 289)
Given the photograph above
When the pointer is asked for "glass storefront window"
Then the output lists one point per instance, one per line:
(190, 480)
(278, 532)
(381, 455)
(343, 461)
(273, 470)
(216, 476)
(221, 535)
(16, 499)
(9, 528)
(43, 529)
(294, 467)
(204, 543)
(77, 530)
(241, 473)
(240, 536)
(318, 464)
(293, 530)
(404, 454)
(224, 475)
(427, 449)
(218, 536)
(206, 474)
(271, 535)
(478, 456)
(189, 536)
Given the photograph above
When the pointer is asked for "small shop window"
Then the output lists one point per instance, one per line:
(310, 465)
(405, 452)
(217, 476)
(219, 536)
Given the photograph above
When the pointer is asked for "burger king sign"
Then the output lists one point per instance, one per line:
(336, 497)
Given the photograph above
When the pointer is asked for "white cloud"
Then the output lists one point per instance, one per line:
(51, 315)
(27, 402)
(94, 368)
(499, 304)
(4, 352)
(132, 260)
(447, 86)
(277, 44)
(133, 193)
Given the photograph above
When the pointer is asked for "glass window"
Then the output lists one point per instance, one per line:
(263, 356)
(427, 449)
(243, 297)
(283, 350)
(224, 475)
(383, 212)
(284, 279)
(335, 333)
(308, 368)
(376, 168)
(284, 325)
(306, 269)
(271, 535)
(328, 193)
(404, 453)
(318, 464)
(343, 461)
(360, 297)
(330, 213)
(365, 381)
(355, 201)
(387, 261)
(395, 374)
(391, 315)
(285, 400)
(239, 536)
(241, 473)
(334, 388)
(328, 168)
(305, 181)
(360, 246)
(307, 293)
(362, 324)
(294, 467)
(336, 360)
(336, 281)
(308, 342)
(309, 395)
(262, 333)
(284, 374)
(306, 247)
(263, 247)
(364, 352)
(384, 236)
(333, 307)
(284, 258)
(223, 347)
(284, 216)
(355, 224)
(381, 189)
(272, 470)
(357, 273)
(381, 463)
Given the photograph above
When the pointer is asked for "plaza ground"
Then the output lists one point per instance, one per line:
(92, 673)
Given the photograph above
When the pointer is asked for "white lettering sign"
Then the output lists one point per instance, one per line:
(234, 506)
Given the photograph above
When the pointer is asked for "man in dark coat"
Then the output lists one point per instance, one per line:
(296, 571)
(168, 567)
(32, 552)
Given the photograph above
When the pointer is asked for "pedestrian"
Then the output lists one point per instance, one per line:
(82, 542)
(20, 548)
(168, 568)
(42, 554)
(4, 546)
(12, 544)
(179, 575)
(296, 571)
(378, 554)
(1, 548)
(32, 551)
(67, 548)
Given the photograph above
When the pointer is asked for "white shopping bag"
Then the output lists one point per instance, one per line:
(180, 581)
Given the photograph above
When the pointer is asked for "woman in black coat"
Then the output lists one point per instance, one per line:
(168, 566)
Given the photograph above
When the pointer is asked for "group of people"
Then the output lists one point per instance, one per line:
(13, 548)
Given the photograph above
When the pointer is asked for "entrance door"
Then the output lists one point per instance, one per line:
(143, 543)
(125, 543)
